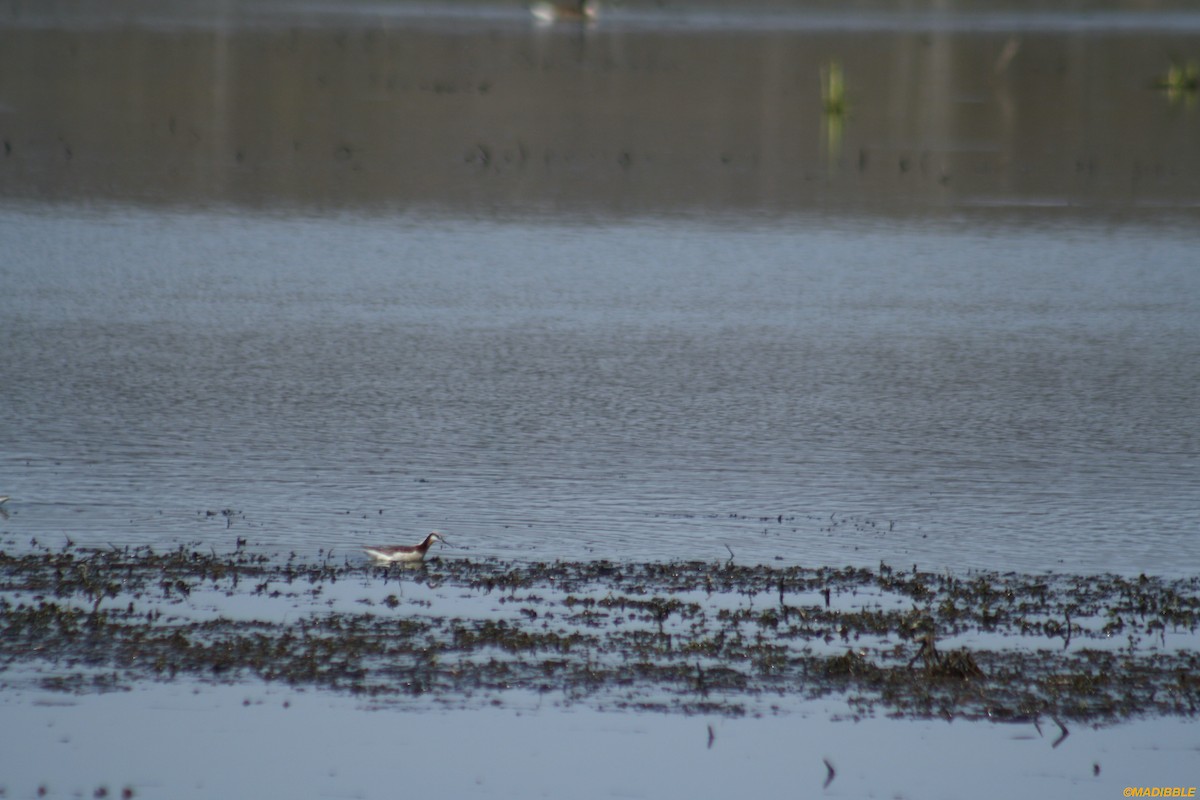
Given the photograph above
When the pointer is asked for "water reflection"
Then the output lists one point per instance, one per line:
(835, 107)
(468, 109)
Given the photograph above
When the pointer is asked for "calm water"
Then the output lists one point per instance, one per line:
(252, 741)
(982, 391)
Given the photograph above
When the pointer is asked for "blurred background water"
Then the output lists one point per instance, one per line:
(325, 275)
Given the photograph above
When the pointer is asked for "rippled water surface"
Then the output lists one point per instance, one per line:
(1008, 393)
(816, 283)
(316, 275)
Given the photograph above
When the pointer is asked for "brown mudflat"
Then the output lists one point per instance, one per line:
(717, 637)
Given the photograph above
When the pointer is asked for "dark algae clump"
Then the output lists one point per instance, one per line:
(687, 636)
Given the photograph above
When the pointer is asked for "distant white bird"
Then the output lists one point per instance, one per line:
(4, 499)
(565, 10)
(404, 552)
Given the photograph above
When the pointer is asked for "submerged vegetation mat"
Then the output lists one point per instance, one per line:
(712, 637)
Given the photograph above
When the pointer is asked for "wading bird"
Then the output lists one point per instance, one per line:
(406, 553)
(565, 10)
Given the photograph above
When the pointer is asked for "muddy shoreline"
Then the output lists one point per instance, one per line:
(677, 637)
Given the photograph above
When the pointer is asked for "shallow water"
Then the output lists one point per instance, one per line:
(354, 273)
(539, 751)
(985, 394)
(317, 276)
(186, 649)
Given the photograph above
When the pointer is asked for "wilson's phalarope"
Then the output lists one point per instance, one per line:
(404, 552)
(565, 10)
